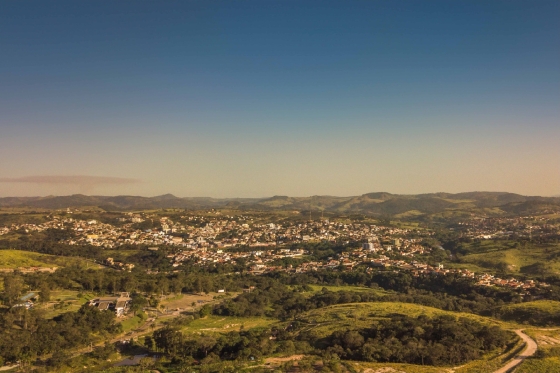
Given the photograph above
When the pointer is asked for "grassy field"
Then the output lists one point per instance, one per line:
(133, 322)
(540, 365)
(359, 289)
(184, 302)
(471, 267)
(221, 324)
(505, 256)
(65, 301)
(120, 253)
(322, 322)
(548, 309)
(20, 259)
(547, 360)
(395, 368)
(24, 215)
(546, 338)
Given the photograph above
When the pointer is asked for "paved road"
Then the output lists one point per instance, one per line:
(527, 352)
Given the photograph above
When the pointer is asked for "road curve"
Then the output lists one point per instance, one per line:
(527, 352)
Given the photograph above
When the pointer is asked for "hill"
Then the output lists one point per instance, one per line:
(540, 313)
(342, 323)
(508, 257)
(353, 316)
(119, 202)
(421, 206)
(13, 259)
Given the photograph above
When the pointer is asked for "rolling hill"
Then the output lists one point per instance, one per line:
(376, 204)
(12, 259)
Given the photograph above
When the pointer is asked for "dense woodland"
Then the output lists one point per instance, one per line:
(441, 340)
(26, 335)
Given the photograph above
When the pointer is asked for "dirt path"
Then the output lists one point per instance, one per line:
(527, 352)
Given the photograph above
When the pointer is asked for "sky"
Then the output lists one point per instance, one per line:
(265, 97)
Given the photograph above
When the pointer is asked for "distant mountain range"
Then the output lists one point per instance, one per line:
(377, 204)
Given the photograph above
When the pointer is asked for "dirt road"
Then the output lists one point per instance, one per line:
(527, 352)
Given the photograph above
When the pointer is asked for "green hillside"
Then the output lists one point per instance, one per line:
(353, 316)
(534, 259)
(16, 259)
(540, 313)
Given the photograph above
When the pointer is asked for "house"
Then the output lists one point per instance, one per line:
(118, 304)
(26, 300)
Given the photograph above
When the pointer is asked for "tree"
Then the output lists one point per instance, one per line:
(149, 342)
(59, 357)
(198, 285)
(167, 339)
(205, 310)
(138, 302)
(13, 287)
(146, 362)
(206, 342)
(45, 292)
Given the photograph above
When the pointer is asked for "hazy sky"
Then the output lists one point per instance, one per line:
(258, 98)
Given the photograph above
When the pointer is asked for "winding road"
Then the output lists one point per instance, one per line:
(527, 352)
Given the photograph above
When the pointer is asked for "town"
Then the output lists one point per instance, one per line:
(261, 243)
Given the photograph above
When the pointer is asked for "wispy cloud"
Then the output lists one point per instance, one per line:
(82, 181)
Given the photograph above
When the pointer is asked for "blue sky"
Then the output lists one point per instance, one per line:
(256, 98)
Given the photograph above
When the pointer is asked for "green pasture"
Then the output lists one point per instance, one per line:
(540, 365)
(548, 306)
(395, 368)
(323, 322)
(65, 301)
(14, 259)
(508, 256)
(133, 322)
(223, 324)
(359, 289)
(352, 316)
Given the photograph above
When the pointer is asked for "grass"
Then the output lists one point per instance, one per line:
(184, 301)
(132, 323)
(541, 312)
(65, 295)
(496, 255)
(540, 365)
(120, 253)
(547, 359)
(359, 289)
(548, 306)
(408, 214)
(538, 333)
(353, 316)
(471, 267)
(222, 324)
(68, 300)
(396, 368)
(14, 259)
